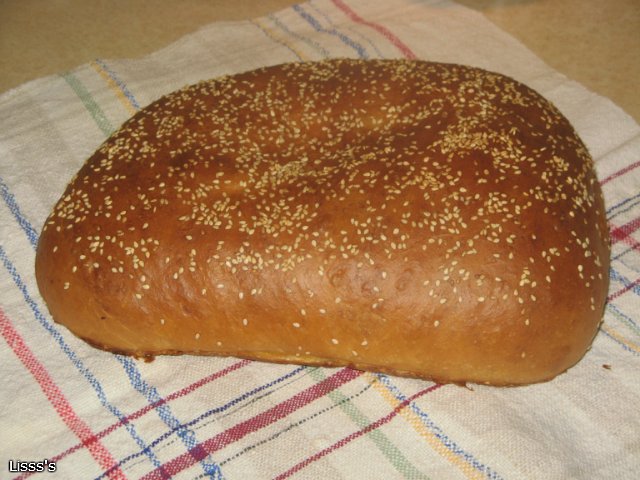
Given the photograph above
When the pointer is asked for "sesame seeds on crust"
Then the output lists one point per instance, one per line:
(396, 188)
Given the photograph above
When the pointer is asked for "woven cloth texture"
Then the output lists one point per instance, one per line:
(97, 415)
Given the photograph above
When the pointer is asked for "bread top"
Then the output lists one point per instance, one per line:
(419, 218)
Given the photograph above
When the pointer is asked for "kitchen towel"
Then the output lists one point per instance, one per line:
(77, 412)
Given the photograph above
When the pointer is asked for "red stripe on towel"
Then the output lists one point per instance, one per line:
(147, 408)
(56, 398)
(623, 232)
(385, 32)
(620, 172)
(253, 424)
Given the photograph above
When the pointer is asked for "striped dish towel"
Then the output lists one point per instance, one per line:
(92, 415)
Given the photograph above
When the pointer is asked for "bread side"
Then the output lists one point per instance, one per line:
(422, 219)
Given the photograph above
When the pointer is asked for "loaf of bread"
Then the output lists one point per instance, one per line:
(414, 218)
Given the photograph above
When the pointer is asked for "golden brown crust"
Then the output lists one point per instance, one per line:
(424, 219)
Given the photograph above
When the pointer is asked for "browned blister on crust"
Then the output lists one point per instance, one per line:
(423, 219)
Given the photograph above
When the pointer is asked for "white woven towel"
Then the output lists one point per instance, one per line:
(97, 415)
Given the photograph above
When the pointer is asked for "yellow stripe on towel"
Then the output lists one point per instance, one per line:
(414, 421)
(114, 87)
